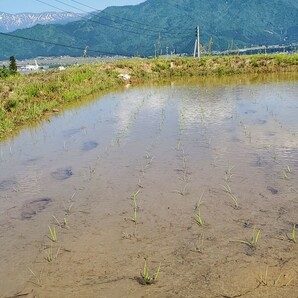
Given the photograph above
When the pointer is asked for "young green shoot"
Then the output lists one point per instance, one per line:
(50, 257)
(263, 278)
(134, 217)
(288, 169)
(293, 234)
(284, 175)
(147, 278)
(135, 206)
(198, 218)
(228, 173)
(183, 191)
(38, 281)
(53, 234)
(255, 238)
(67, 209)
(228, 190)
(135, 199)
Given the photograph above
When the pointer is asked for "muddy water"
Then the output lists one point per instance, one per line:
(182, 146)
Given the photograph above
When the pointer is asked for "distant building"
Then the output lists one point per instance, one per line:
(31, 67)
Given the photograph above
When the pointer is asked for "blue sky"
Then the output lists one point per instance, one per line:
(16, 6)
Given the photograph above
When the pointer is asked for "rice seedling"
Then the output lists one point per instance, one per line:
(53, 234)
(288, 169)
(183, 190)
(68, 209)
(140, 183)
(50, 257)
(233, 197)
(135, 199)
(255, 238)
(277, 280)
(198, 218)
(57, 221)
(135, 207)
(62, 225)
(199, 244)
(263, 278)
(126, 235)
(134, 217)
(288, 283)
(284, 175)
(292, 237)
(147, 278)
(185, 176)
(282, 283)
(38, 280)
(228, 173)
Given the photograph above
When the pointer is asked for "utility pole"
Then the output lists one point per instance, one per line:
(85, 55)
(197, 43)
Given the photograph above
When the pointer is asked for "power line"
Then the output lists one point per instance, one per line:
(93, 21)
(145, 31)
(188, 48)
(62, 45)
(117, 22)
(124, 19)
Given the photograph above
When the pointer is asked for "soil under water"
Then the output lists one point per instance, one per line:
(224, 148)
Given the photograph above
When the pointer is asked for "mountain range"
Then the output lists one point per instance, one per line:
(161, 26)
(12, 22)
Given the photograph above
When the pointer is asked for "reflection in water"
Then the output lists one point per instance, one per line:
(226, 119)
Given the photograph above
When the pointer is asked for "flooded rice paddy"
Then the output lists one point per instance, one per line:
(199, 176)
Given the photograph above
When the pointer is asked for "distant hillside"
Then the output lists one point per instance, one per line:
(163, 25)
(12, 22)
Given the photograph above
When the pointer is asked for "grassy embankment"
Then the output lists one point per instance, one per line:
(28, 99)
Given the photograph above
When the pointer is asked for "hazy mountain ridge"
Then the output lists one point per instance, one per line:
(12, 22)
(231, 24)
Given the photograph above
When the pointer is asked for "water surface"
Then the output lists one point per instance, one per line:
(172, 142)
